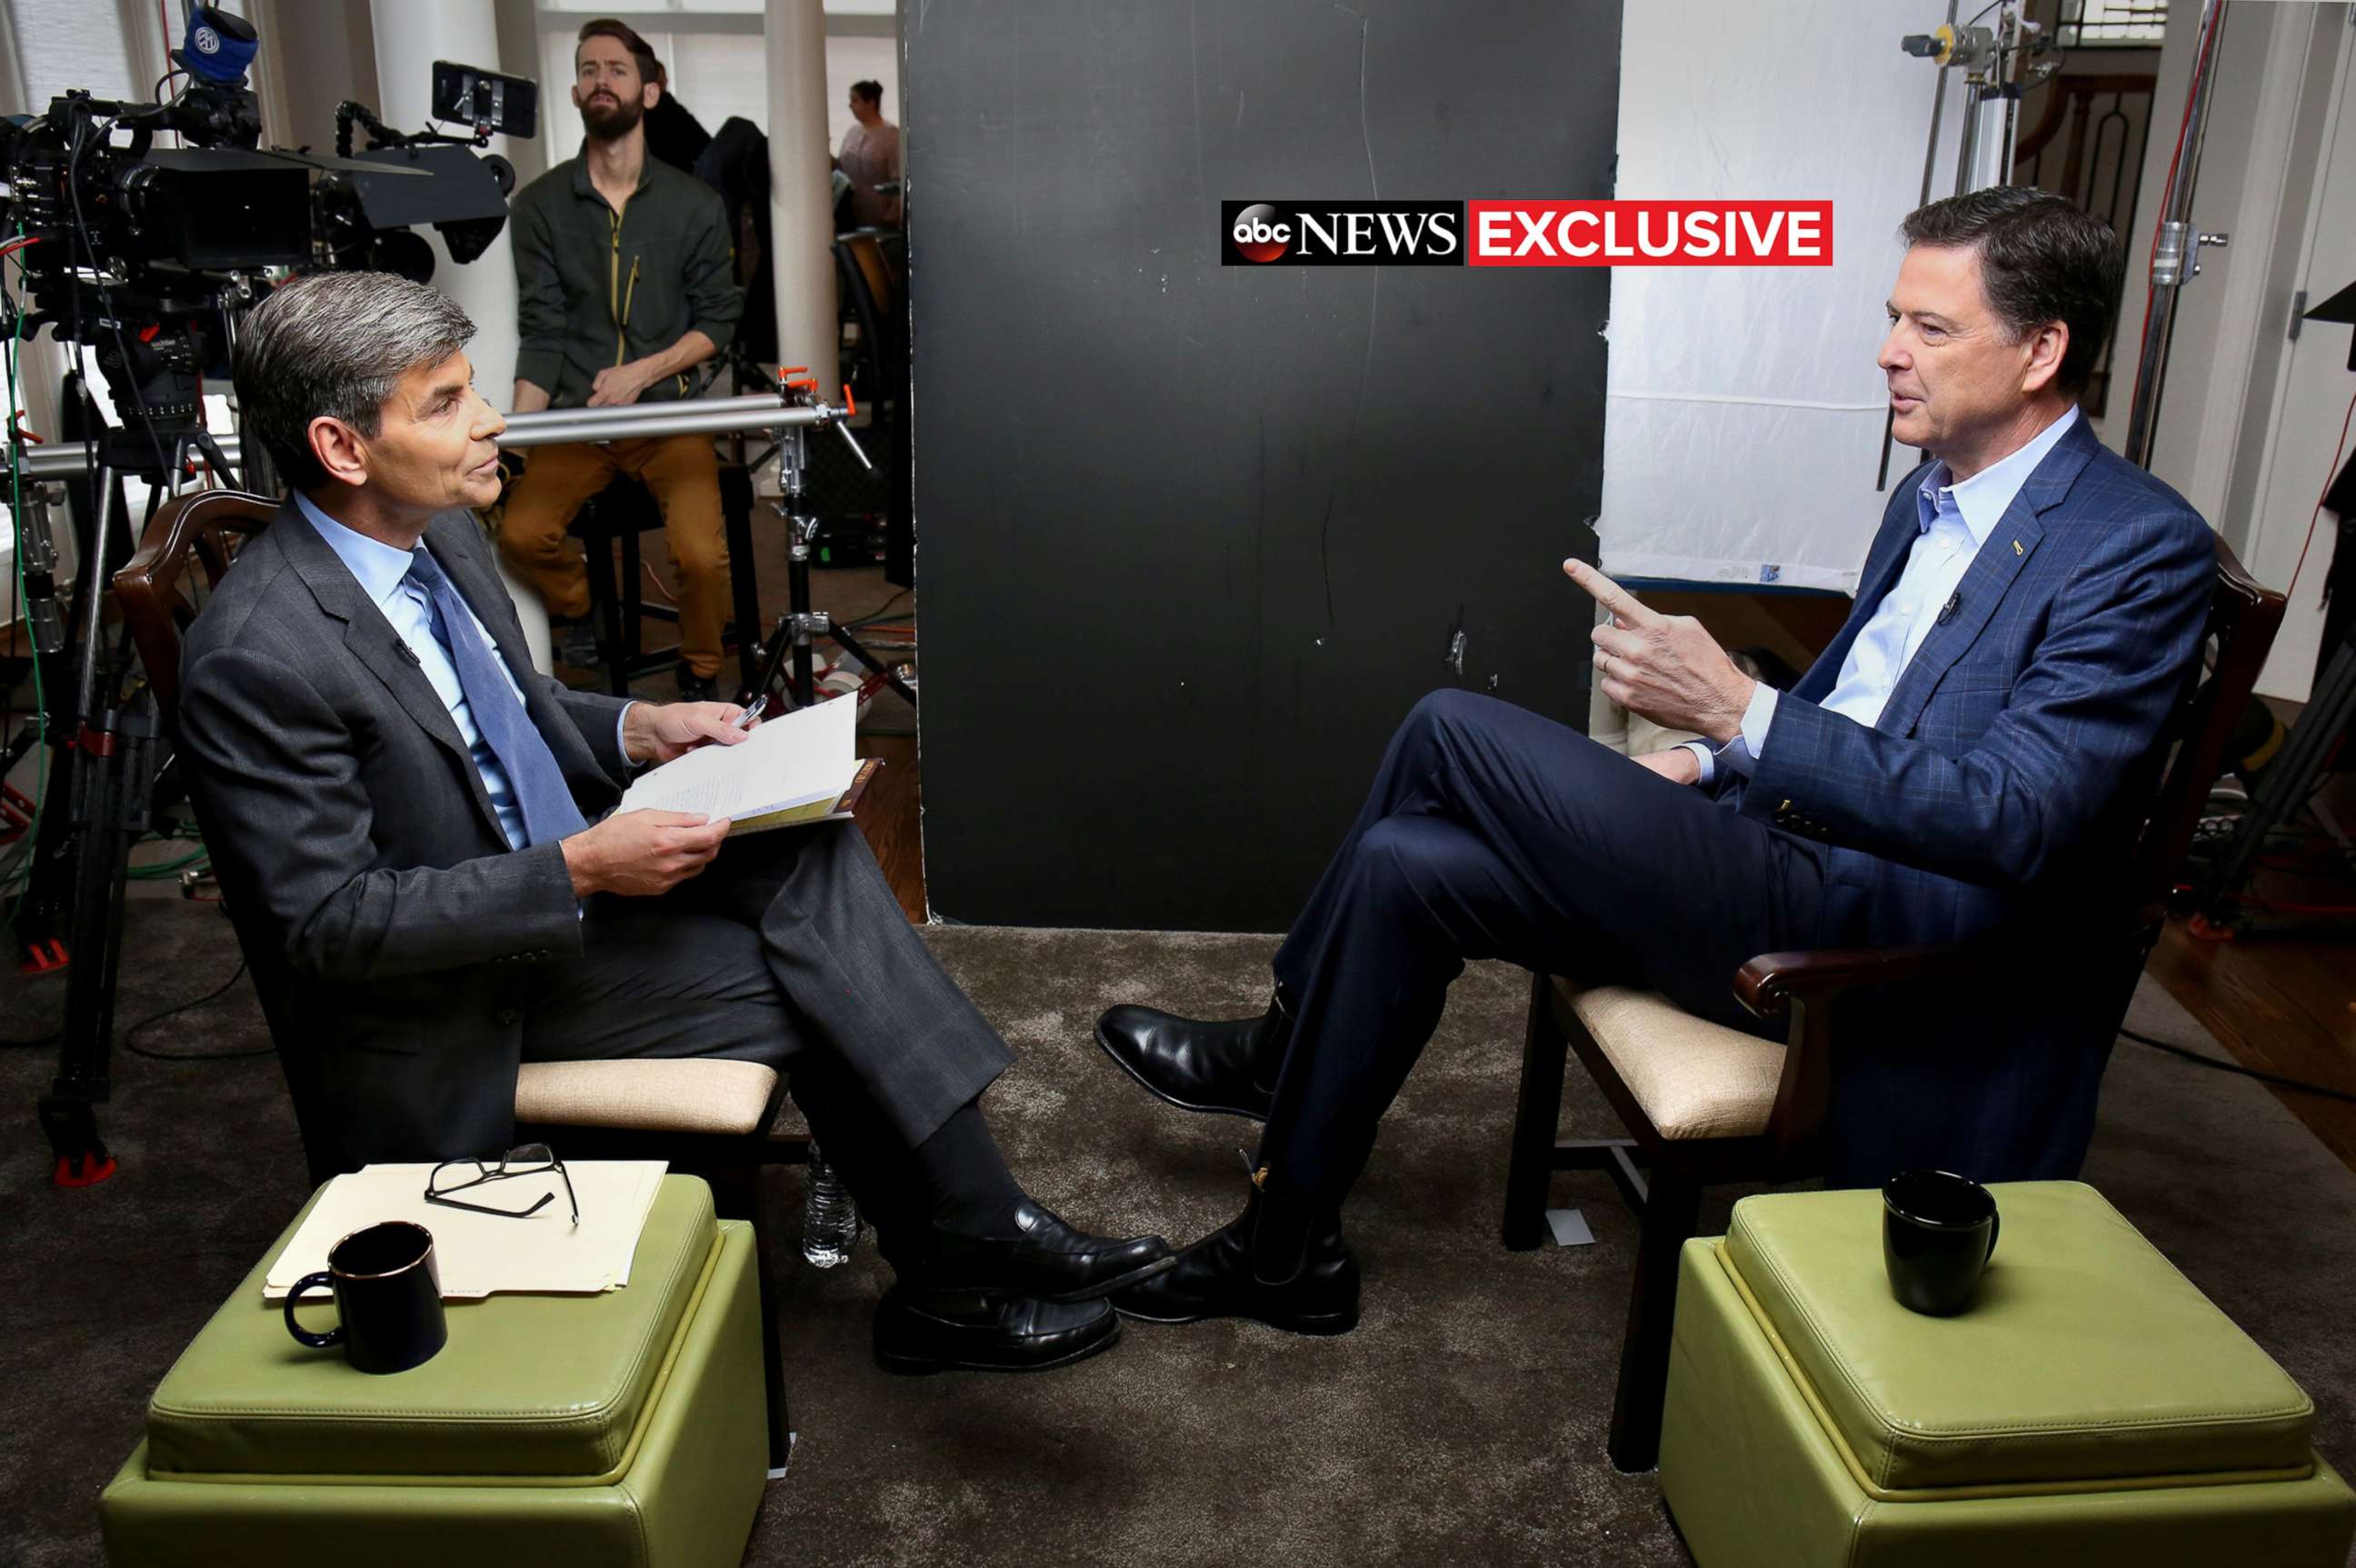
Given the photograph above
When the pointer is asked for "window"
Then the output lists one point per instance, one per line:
(2095, 23)
(712, 51)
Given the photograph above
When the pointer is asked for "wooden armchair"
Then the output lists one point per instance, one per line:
(1706, 1104)
(153, 589)
(709, 1118)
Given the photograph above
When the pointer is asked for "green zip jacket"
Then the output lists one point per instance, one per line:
(596, 289)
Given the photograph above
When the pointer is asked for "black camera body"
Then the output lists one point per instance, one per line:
(146, 252)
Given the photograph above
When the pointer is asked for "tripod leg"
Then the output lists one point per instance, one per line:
(48, 906)
(2289, 779)
(773, 661)
(737, 511)
(852, 646)
(107, 819)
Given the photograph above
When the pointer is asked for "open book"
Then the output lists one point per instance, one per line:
(795, 769)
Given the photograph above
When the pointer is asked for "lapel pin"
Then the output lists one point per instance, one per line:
(2017, 550)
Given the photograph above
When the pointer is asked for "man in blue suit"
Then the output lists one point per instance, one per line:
(1966, 758)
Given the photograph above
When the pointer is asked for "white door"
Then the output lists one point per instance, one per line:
(2317, 394)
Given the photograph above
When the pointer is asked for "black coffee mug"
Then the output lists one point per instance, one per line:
(1938, 1232)
(388, 1298)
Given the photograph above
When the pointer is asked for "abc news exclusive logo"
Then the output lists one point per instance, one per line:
(1526, 233)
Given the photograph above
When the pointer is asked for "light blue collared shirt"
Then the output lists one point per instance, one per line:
(384, 572)
(1954, 521)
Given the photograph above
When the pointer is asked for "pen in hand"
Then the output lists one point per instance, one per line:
(752, 712)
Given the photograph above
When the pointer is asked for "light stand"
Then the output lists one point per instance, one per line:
(800, 625)
(2175, 257)
(1996, 63)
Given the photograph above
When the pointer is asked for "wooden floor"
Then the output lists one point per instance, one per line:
(2282, 1005)
(890, 817)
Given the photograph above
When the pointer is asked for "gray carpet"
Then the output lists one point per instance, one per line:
(1464, 1420)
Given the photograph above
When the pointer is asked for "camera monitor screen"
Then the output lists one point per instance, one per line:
(504, 105)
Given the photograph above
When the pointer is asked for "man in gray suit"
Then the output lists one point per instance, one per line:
(415, 836)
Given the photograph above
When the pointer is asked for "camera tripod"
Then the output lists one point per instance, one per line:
(800, 625)
(101, 782)
(2291, 781)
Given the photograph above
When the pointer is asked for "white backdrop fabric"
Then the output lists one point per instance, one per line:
(1742, 428)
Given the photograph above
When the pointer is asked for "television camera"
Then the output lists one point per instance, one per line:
(148, 254)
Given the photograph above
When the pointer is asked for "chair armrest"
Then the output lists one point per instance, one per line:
(1803, 986)
(1770, 983)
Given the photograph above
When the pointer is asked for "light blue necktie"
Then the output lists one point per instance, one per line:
(541, 794)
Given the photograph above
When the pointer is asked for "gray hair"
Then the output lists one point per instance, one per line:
(335, 344)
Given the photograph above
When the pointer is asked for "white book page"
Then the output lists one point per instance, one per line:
(787, 761)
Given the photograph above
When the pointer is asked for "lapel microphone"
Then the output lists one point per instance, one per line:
(1946, 611)
(407, 652)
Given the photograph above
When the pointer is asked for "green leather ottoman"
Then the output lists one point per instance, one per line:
(627, 1428)
(2091, 1408)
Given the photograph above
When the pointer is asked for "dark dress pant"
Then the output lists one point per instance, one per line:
(1490, 833)
(789, 949)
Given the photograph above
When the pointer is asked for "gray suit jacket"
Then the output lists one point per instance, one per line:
(388, 924)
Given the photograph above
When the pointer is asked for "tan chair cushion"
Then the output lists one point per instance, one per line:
(704, 1095)
(1694, 1078)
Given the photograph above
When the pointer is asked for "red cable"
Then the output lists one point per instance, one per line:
(2316, 515)
(2278, 907)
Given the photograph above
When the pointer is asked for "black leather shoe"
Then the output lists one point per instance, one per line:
(1229, 1067)
(1048, 1260)
(1298, 1278)
(694, 688)
(919, 1331)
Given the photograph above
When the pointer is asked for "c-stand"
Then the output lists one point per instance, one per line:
(800, 625)
(102, 777)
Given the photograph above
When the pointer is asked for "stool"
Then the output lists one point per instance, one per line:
(2091, 1407)
(621, 1429)
(708, 1117)
(619, 513)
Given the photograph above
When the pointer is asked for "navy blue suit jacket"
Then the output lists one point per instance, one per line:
(2001, 788)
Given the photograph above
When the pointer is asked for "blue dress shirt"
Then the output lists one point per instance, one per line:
(1956, 521)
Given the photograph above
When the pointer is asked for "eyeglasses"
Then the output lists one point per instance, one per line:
(526, 1160)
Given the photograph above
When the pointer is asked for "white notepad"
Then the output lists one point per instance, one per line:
(789, 769)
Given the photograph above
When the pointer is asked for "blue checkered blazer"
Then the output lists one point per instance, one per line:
(2000, 789)
(2004, 776)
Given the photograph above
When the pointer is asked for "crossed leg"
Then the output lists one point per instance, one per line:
(1492, 832)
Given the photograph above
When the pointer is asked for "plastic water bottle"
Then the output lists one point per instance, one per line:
(830, 1218)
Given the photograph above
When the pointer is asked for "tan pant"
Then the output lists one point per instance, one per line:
(685, 478)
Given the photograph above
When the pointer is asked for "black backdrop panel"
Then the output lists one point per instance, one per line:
(1192, 539)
